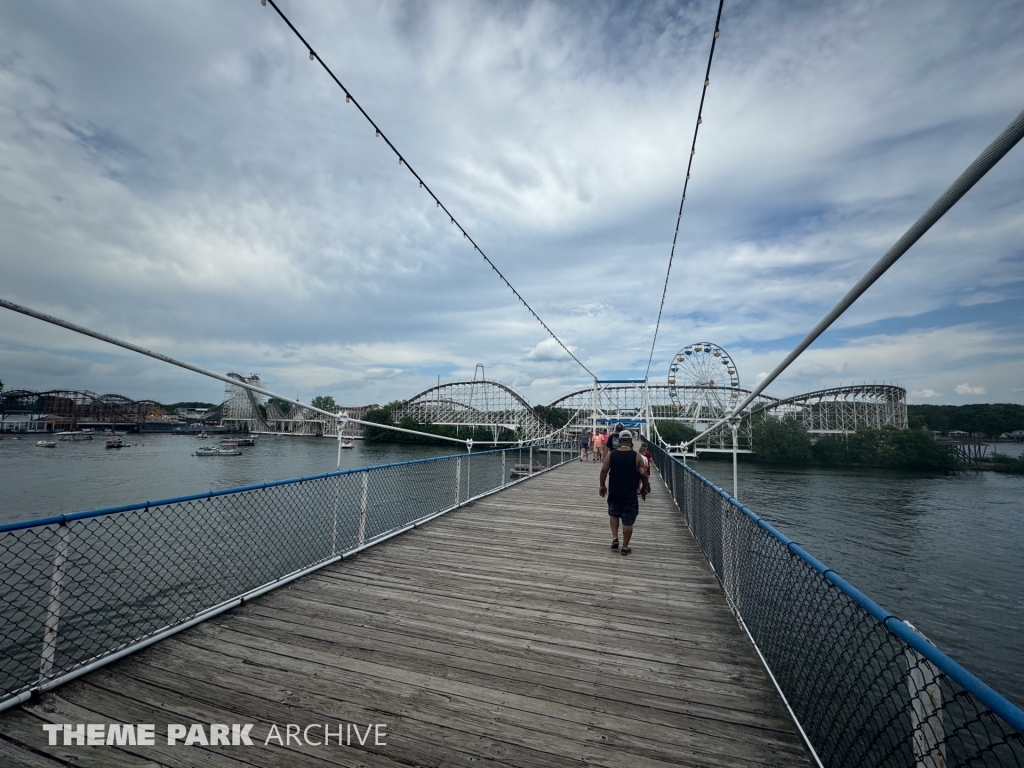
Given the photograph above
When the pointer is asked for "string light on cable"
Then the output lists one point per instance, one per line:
(350, 99)
(689, 167)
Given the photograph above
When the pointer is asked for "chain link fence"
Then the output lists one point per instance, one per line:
(78, 589)
(864, 686)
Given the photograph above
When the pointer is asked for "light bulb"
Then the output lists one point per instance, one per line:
(263, 3)
(707, 82)
(312, 56)
(400, 161)
(348, 99)
(421, 185)
(378, 134)
(716, 34)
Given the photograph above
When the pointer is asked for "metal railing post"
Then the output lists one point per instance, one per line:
(925, 699)
(54, 602)
(503, 468)
(531, 458)
(362, 507)
(735, 424)
(458, 480)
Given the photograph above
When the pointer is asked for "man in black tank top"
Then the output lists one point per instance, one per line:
(627, 475)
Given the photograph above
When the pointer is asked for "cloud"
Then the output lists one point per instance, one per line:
(195, 184)
(925, 393)
(967, 389)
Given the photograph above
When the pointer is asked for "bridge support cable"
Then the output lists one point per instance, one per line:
(402, 161)
(196, 369)
(686, 182)
(987, 160)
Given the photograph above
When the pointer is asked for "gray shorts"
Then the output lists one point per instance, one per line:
(624, 509)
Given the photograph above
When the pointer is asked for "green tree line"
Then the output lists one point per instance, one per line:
(785, 441)
(991, 418)
(385, 415)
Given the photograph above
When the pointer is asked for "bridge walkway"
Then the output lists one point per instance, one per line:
(506, 633)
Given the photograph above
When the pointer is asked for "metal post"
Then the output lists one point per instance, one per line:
(337, 496)
(928, 731)
(54, 603)
(734, 423)
(458, 480)
(531, 458)
(503, 468)
(362, 508)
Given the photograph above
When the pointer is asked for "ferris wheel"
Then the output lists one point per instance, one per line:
(704, 382)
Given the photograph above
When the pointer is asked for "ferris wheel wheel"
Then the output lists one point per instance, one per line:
(704, 382)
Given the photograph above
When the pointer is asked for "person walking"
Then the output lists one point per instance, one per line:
(626, 468)
(599, 446)
(584, 444)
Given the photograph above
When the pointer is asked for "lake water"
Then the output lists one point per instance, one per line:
(944, 552)
(39, 482)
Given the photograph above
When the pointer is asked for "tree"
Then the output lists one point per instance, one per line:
(675, 432)
(781, 441)
(553, 417)
(325, 403)
(283, 407)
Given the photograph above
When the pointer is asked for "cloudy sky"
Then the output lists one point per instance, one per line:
(181, 175)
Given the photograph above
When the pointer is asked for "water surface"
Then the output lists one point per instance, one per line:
(943, 552)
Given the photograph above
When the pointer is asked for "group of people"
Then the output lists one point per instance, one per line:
(629, 472)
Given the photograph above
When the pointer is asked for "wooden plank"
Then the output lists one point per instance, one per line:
(15, 756)
(482, 712)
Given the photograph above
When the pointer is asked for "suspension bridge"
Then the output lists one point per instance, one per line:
(468, 606)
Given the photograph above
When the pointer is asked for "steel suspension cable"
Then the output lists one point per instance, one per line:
(991, 155)
(686, 182)
(314, 56)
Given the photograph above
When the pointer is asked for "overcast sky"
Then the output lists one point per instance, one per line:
(181, 175)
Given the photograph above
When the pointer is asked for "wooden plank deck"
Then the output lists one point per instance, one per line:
(504, 634)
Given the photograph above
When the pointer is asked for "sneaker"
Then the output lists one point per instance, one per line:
(615, 544)
(626, 550)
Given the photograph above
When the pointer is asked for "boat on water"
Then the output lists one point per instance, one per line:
(46, 444)
(74, 436)
(237, 442)
(115, 443)
(347, 443)
(211, 451)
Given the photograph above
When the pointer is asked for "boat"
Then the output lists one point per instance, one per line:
(211, 451)
(116, 442)
(74, 436)
(45, 444)
(246, 442)
(347, 443)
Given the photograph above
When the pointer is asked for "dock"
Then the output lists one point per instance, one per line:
(505, 633)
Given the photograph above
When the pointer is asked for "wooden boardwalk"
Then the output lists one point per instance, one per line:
(504, 634)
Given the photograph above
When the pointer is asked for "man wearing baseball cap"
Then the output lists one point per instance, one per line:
(628, 473)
